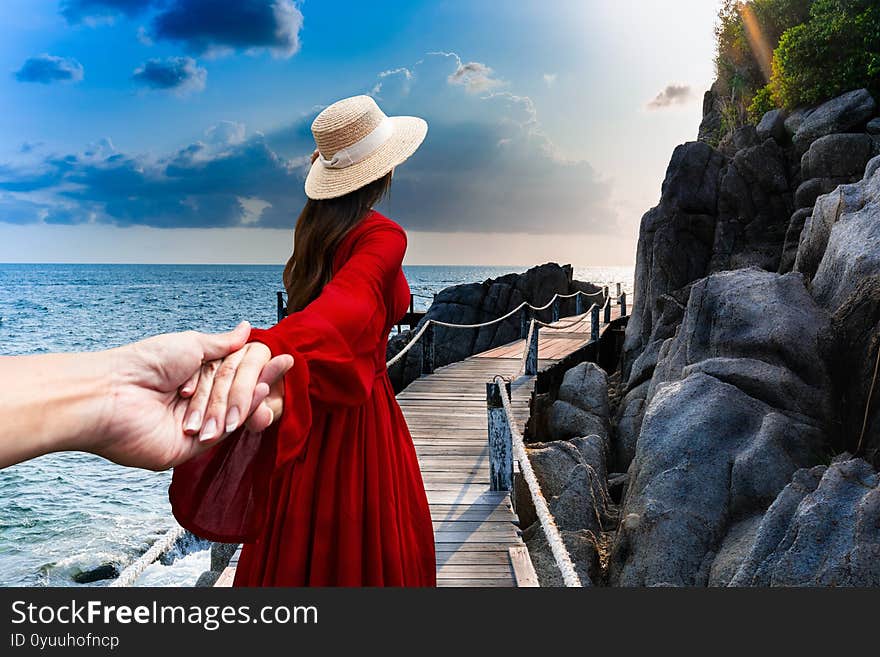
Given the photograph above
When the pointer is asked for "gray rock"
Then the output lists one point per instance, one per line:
(583, 548)
(737, 403)
(710, 126)
(573, 475)
(837, 156)
(792, 239)
(842, 114)
(873, 127)
(850, 217)
(207, 578)
(568, 421)
(586, 387)
(775, 523)
(628, 424)
(573, 478)
(754, 208)
(734, 550)
(675, 239)
(772, 126)
(820, 534)
(810, 190)
(795, 119)
(221, 553)
(744, 137)
(852, 354)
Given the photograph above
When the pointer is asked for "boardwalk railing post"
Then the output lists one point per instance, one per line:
(532, 356)
(279, 296)
(607, 306)
(428, 350)
(556, 309)
(579, 304)
(622, 304)
(594, 324)
(500, 439)
(618, 290)
(524, 320)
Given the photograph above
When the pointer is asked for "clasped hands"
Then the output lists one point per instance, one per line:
(177, 395)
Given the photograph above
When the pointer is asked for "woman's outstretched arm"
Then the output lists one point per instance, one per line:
(124, 404)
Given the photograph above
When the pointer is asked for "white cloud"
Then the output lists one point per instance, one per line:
(550, 79)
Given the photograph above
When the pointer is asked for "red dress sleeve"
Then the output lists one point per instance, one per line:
(221, 494)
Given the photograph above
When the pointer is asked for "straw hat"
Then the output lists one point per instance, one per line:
(358, 144)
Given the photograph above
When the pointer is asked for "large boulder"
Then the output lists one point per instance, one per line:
(581, 407)
(736, 405)
(772, 126)
(844, 239)
(792, 239)
(837, 156)
(823, 530)
(573, 479)
(475, 303)
(754, 208)
(845, 113)
(809, 191)
(851, 219)
(675, 239)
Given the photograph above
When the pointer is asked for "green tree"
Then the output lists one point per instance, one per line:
(836, 50)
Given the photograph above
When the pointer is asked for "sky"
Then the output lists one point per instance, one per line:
(178, 131)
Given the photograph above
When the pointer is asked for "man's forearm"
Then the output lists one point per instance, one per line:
(51, 402)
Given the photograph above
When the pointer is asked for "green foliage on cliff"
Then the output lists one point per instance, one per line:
(785, 53)
(836, 50)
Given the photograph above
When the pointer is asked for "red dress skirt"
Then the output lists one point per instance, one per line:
(331, 494)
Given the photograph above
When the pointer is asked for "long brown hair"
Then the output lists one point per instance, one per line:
(319, 230)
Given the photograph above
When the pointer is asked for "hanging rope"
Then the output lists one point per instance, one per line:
(129, 576)
(525, 304)
(548, 524)
(868, 402)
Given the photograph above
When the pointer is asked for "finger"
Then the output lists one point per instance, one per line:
(276, 368)
(198, 403)
(215, 415)
(189, 387)
(220, 345)
(315, 155)
(261, 419)
(241, 392)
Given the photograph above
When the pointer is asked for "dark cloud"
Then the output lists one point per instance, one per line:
(484, 167)
(76, 11)
(47, 69)
(29, 146)
(180, 74)
(203, 26)
(205, 184)
(673, 94)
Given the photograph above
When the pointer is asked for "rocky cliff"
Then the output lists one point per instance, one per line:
(749, 422)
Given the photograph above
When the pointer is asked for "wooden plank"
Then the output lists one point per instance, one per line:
(226, 577)
(523, 569)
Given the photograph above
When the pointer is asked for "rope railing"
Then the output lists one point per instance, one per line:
(542, 510)
(130, 575)
(525, 304)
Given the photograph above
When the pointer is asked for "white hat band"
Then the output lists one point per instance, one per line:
(362, 149)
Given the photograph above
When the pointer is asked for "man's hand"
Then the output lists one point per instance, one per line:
(151, 380)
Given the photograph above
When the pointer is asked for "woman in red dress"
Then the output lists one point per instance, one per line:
(331, 494)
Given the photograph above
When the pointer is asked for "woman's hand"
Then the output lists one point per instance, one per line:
(221, 394)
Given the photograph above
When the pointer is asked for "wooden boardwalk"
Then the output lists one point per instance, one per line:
(476, 533)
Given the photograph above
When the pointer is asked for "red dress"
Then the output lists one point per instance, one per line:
(331, 495)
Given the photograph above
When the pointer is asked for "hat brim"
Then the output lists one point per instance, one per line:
(408, 134)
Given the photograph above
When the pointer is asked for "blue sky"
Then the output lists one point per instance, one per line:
(177, 130)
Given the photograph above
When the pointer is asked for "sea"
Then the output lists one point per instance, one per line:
(68, 513)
